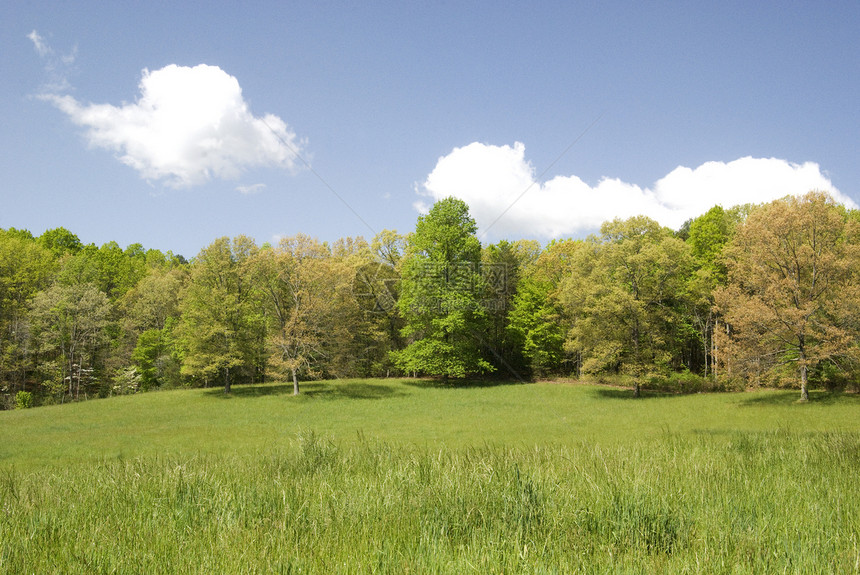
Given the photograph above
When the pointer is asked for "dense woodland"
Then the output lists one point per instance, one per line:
(746, 296)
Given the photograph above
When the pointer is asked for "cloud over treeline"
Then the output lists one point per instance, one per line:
(506, 199)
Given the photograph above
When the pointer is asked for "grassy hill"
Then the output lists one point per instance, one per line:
(261, 418)
(396, 476)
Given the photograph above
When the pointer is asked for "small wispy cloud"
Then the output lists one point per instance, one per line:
(506, 199)
(42, 48)
(250, 190)
(189, 125)
(57, 67)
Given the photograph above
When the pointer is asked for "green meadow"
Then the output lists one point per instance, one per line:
(409, 476)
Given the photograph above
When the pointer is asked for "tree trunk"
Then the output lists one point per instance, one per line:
(804, 390)
(636, 391)
(715, 348)
(226, 380)
(295, 383)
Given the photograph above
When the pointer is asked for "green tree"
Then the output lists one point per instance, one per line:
(503, 265)
(110, 268)
(70, 325)
(155, 357)
(378, 286)
(624, 300)
(792, 297)
(150, 313)
(25, 269)
(536, 320)
(535, 326)
(707, 238)
(221, 330)
(298, 283)
(441, 295)
(60, 242)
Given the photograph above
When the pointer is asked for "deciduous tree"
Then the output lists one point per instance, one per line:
(793, 293)
(536, 318)
(70, 324)
(298, 285)
(25, 269)
(624, 299)
(221, 328)
(442, 295)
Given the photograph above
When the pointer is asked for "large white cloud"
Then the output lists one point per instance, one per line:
(189, 125)
(506, 200)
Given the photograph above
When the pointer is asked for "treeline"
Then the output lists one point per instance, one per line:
(743, 296)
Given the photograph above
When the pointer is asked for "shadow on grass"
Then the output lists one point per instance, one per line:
(438, 383)
(314, 389)
(348, 390)
(792, 397)
(251, 391)
(622, 393)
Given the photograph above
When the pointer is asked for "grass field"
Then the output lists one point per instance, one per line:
(403, 476)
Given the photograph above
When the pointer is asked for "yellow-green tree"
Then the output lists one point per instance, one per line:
(623, 298)
(300, 283)
(221, 329)
(25, 269)
(792, 298)
(70, 325)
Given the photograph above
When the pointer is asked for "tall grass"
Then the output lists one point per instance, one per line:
(748, 502)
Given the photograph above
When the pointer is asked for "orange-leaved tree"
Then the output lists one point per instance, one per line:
(792, 295)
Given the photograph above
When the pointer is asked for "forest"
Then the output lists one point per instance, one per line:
(753, 295)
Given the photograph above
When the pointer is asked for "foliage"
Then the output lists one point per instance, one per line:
(535, 325)
(625, 299)
(60, 241)
(25, 269)
(637, 302)
(536, 318)
(23, 400)
(297, 279)
(504, 267)
(443, 295)
(127, 381)
(70, 326)
(793, 294)
(154, 359)
(220, 317)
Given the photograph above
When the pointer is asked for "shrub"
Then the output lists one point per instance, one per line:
(23, 400)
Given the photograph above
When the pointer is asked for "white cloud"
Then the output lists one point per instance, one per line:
(189, 125)
(505, 199)
(42, 48)
(57, 68)
(250, 190)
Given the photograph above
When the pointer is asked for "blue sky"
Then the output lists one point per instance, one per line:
(171, 124)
